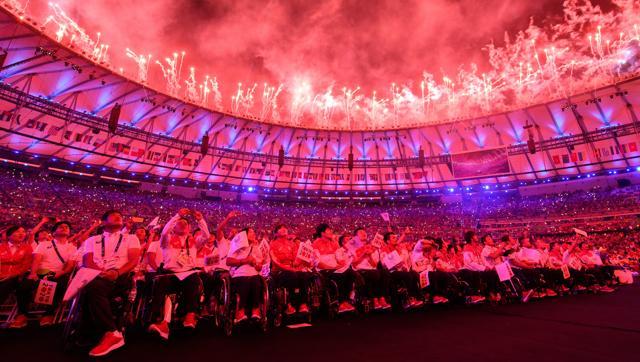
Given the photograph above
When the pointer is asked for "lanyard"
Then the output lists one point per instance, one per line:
(55, 248)
(144, 253)
(114, 250)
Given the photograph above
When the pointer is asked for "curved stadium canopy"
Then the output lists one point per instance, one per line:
(56, 103)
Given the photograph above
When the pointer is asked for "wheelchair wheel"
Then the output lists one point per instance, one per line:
(330, 294)
(400, 298)
(276, 307)
(264, 308)
(277, 319)
(72, 324)
(139, 312)
(223, 302)
(313, 307)
(228, 315)
(264, 325)
(228, 327)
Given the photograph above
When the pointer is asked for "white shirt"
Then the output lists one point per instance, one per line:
(572, 260)
(354, 244)
(217, 258)
(419, 262)
(473, 261)
(369, 262)
(246, 270)
(115, 257)
(154, 248)
(591, 258)
(442, 264)
(404, 265)
(342, 255)
(539, 257)
(526, 255)
(486, 255)
(554, 262)
(179, 259)
(50, 260)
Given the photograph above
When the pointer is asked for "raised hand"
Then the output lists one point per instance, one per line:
(198, 215)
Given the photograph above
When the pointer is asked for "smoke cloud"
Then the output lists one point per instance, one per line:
(345, 43)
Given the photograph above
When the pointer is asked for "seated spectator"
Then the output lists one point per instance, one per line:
(15, 261)
(115, 254)
(53, 260)
(179, 251)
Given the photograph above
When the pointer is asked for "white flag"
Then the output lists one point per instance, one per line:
(504, 271)
(238, 242)
(82, 278)
(154, 222)
(392, 259)
(45, 292)
(580, 232)
(378, 241)
(424, 279)
(305, 252)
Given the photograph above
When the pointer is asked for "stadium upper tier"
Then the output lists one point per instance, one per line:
(55, 102)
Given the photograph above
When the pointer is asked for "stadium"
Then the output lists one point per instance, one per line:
(532, 158)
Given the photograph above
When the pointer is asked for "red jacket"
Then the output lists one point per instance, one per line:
(12, 264)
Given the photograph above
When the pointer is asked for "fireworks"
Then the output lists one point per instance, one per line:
(323, 106)
(269, 103)
(143, 64)
(172, 73)
(243, 100)
(350, 102)
(16, 6)
(69, 33)
(301, 96)
(210, 86)
(587, 49)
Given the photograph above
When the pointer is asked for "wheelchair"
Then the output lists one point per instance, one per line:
(330, 298)
(140, 315)
(280, 297)
(173, 308)
(511, 289)
(228, 319)
(218, 303)
(9, 311)
(76, 332)
(399, 296)
(456, 290)
(585, 277)
(364, 305)
(540, 284)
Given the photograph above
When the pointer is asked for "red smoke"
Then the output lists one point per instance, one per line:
(346, 43)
